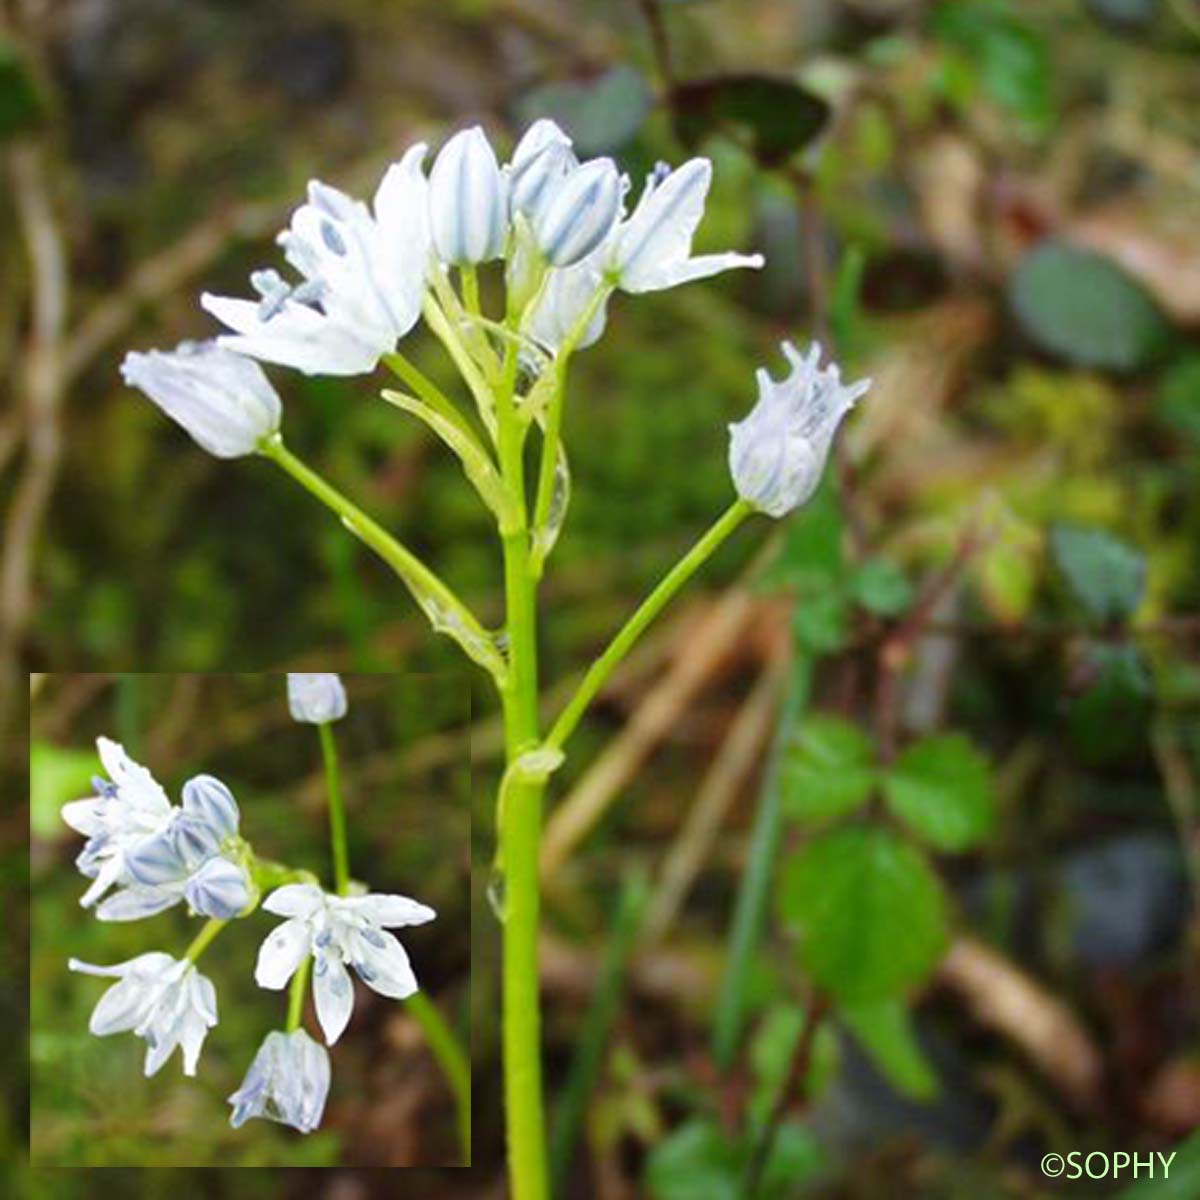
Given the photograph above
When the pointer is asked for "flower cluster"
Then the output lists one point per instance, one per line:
(155, 854)
(367, 274)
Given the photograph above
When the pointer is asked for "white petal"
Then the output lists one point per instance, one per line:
(83, 816)
(334, 995)
(137, 903)
(383, 965)
(667, 275)
(283, 950)
(137, 785)
(387, 910)
(294, 900)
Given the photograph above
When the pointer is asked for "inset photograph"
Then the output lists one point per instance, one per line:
(251, 921)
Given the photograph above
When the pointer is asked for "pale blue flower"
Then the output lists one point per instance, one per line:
(316, 697)
(581, 213)
(778, 453)
(541, 162)
(287, 1082)
(468, 200)
(223, 400)
(339, 931)
(164, 1000)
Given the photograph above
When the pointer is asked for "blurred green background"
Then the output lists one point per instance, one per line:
(987, 205)
(411, 835)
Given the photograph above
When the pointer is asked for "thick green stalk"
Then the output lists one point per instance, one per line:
(337, 810)
(520, 830)
(629, 633)
(296, 992)
(451, 1059)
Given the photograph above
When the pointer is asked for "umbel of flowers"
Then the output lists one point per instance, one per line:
(156, 855)
(569, 240)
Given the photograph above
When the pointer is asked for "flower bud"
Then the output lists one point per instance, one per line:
(287, 1082)
(778, 453)
(219, 889)
(580, 214)
(541, 161)
(468, 203)
(316, 698)
(211, 802)
(195, 840)
(221, 398)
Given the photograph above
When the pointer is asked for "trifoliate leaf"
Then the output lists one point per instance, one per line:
(885, 1031)
(827, 770)
(869, 912)
(941, 787)
(881, 587)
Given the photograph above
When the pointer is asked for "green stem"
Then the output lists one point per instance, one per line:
(629, 633)
(436, 318)
(451, 1058)
(408, 371)
(337, 810)
(745, 929)
(200, 943)
(554, 411)
(296, 992)
(446, 612)
(520, 830)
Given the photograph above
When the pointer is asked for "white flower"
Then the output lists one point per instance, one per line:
(645, 252)
(580, 213)
(164, 1000)
(128, 808)
(154, 853)
(339, 931)
(364, 279)
(287, 1082)
(223, 400)
(316, 698)
(468, 200)
(540, 163)
(651, 250)
(777, 454)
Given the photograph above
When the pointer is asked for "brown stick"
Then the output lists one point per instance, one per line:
(733, 764)
(43, 388)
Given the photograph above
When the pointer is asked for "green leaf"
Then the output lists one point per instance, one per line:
(819, 621)
(1009, 58)
(771, 1051)
(600, 114)
(881, 587)
(697, 1161)
(941, 787)
(869, 910)
(1082, 307)
(700, 1161)
(21, 106)
(828, 769)
(1106, 575)
(773, 118)
(1180, 1181)
(885, 1031)
(1179, 398)
(1109, 721)
(57, 774)
(812, 558)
